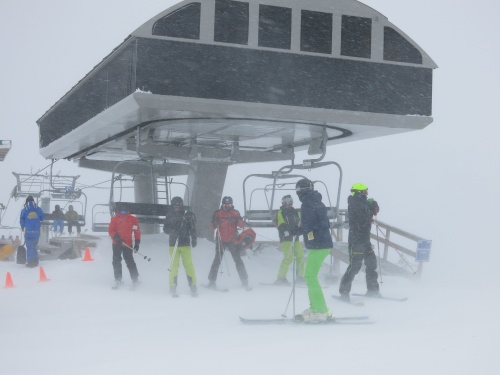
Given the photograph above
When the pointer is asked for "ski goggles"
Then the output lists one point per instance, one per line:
(288, 201)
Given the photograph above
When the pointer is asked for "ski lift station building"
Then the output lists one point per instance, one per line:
(207, 84)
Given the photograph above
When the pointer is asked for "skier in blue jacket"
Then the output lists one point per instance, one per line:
(315, 227)
(30, 220)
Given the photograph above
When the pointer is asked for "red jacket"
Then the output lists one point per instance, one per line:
(124, 225)
(227, 223)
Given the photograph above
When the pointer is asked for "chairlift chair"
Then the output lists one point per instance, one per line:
(265, 218)
(99, 211)
(147, 213)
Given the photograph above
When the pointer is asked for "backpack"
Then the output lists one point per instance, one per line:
(245, 239)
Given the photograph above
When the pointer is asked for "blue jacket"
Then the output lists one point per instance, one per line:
(30, 220)
(314, 219)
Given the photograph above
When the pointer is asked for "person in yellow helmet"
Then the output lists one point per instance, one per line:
(361, 211)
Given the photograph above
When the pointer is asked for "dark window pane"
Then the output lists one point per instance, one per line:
(316, 32)
(231, 22)
(397, 48)
(182, 23)
(356, 37)
(275, 27)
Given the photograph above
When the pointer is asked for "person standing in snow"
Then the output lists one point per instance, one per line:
(225, 222)
(361, 211)
(58, 218)
(122, 228)
(287, 222)
(30, 220)
(180, 225)
(315, 227)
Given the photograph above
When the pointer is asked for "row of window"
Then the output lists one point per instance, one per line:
(231, 25)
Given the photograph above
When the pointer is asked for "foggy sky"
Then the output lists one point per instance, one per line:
(439, 183)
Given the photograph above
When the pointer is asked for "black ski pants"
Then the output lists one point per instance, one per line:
(235, 253)
(357, 254)
(120, 251)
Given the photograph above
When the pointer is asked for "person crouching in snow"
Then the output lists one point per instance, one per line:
(121, 229)
(315, 227)
(180, 225)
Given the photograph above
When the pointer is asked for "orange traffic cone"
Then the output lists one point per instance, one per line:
(42, 275)
(8, 281)
(87, 257)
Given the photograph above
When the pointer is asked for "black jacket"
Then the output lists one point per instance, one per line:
(360, 218)
(58, 215)
(180, 224)
(287, 220)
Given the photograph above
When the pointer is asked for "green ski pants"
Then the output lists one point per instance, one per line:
(289, 252)
(315, 259)
(183, 252)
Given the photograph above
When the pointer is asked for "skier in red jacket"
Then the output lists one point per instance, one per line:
(121, 228)
(226, 221)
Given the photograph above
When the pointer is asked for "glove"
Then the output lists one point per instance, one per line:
(136, 245)
(194, 242)
(117, 239)
(374, 206)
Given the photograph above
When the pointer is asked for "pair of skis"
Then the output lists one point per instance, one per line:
(361, 303)
(333, 320)
(299, 320)
(119, 285)
(216, 289)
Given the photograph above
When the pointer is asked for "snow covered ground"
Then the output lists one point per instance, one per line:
(439, 183)
(75, 324)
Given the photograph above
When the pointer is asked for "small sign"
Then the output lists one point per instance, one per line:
(423, 251)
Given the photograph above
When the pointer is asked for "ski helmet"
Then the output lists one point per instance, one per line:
(227, 200)
(304, 186)
(287, 200)
(119, 206)
(177, 201)
(358, 187)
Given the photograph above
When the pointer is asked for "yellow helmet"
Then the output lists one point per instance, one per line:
(358, 187)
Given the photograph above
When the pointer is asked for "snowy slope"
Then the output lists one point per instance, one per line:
(75, 324)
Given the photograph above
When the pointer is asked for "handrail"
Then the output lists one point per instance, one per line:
(340, 249)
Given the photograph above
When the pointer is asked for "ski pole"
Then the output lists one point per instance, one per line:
(135, 251)
(173, 255)
(176, 244)
(292, 293)
(221, 252)
(378, 251)
(225, 260)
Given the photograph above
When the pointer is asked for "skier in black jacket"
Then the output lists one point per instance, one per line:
(315, 227)
(361, 211)
(180, 225)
